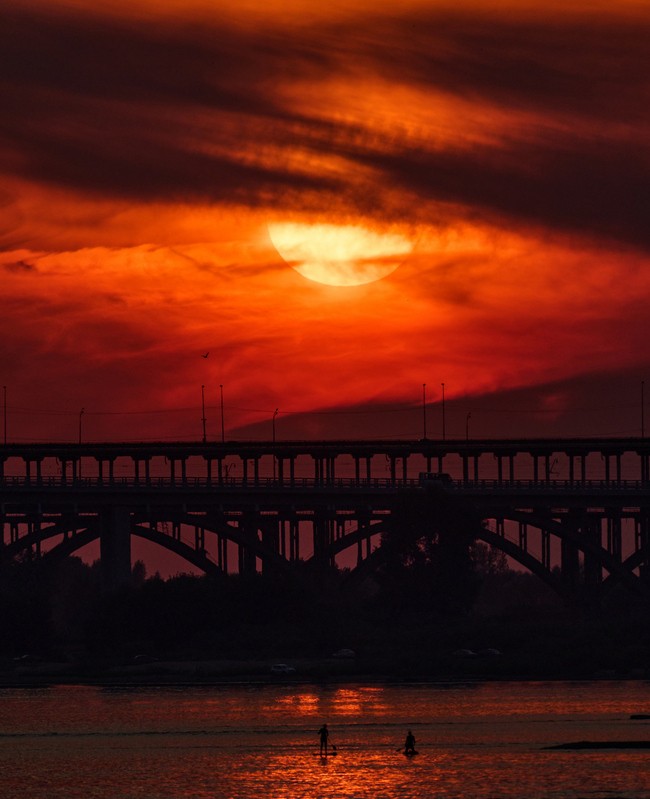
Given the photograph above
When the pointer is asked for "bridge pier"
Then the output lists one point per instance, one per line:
(247, 560)
(570, 566)
(115, 547)
(642, 542)
(614, 534)
(593, 567)
(323, 536)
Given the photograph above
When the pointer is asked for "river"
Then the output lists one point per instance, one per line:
(485, 740)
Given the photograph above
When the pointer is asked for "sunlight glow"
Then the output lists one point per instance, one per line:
(339, 255)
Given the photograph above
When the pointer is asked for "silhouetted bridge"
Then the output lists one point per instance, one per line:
(575, 512)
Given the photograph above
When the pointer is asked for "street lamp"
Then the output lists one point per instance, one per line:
(275, 413)
(203, 411)
(223, 429)
(424, 411)
(81, 413)
(642, 410)
(443, 411)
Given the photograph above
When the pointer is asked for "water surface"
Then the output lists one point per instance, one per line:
(482, 741)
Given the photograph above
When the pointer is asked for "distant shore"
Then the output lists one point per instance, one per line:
(144, 671)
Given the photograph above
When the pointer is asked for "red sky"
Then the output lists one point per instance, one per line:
(145, 147)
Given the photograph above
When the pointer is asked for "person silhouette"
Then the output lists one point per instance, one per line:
(324, 735)
(409, 744)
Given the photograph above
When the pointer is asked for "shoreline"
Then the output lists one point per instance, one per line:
(189, 672)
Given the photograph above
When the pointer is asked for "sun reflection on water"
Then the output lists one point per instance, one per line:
(252, 742)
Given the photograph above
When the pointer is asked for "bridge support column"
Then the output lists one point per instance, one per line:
(645, 468)
(271, 529)
(115, 547)
(323, 536)
(593, 568)
(642, 542)
(247, 558)
(570, 566)
(614, 534)
(221, 550)
(294, 539)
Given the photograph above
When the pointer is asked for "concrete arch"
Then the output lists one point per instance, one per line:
(193, 556)
(529, 562)
(76, 536)
(616, 570)
(358, 536)
(70, 544)
(70, 535)
(234, 534)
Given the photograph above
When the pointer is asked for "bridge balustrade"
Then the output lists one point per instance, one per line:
(275, 503)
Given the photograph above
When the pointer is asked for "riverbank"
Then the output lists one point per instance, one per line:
(146, 670)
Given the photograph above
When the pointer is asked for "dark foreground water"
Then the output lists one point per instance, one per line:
(254, 742)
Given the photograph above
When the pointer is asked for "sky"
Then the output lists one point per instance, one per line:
(171, 171)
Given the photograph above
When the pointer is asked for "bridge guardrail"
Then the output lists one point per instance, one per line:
(342, 483)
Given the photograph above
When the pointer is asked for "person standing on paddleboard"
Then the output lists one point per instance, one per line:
(409, 744)
(324, 735)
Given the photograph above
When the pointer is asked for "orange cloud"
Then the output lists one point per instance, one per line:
(138, 177)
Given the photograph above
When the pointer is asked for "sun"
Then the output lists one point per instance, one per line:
(339, 255)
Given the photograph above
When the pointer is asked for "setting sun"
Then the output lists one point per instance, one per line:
(339, 255)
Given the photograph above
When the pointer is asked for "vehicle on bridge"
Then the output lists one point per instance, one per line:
(436, 478)
(282, 668)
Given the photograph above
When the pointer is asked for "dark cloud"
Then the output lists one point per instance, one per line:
(19, 266)
(109, 107)
(180, 111)
(593, 66)
(572, 183)
(593, 404)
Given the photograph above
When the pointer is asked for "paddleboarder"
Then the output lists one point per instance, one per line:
(409, 744)
(324, 735)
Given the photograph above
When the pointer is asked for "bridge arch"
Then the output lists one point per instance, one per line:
(75, 536)
(617, 571)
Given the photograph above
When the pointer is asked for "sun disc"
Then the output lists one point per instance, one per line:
(339, 255)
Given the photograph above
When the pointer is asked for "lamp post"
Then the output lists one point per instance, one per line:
(223, 429)
(443, 411)
(642, 409)
(203, 412)
(275, 413)
(424, 411)
(81, 413)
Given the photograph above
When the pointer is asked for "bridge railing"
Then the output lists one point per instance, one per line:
(308, 483)
(201, 482)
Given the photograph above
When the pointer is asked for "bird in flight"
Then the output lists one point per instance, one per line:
(206, 355)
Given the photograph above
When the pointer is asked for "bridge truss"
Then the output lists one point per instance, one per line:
(574, 512)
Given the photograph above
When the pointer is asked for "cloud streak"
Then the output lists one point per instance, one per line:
(168, 111)
(142, 152)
